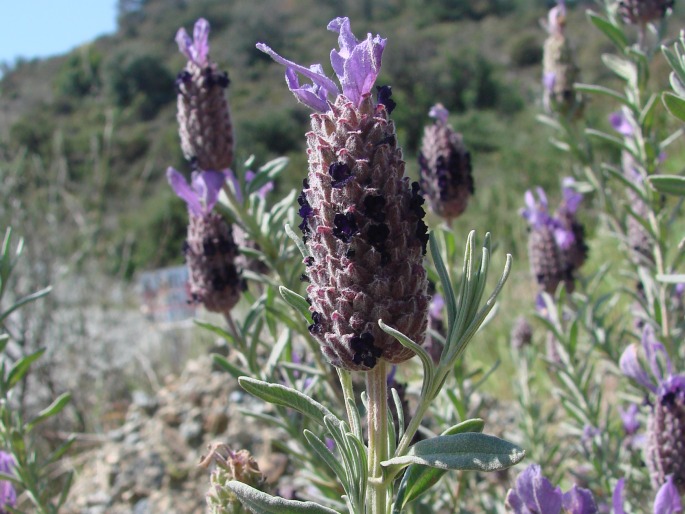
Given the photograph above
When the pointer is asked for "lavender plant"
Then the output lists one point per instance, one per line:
(363, 248)
(25, 475)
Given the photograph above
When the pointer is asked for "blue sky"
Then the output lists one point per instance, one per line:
(41, 28)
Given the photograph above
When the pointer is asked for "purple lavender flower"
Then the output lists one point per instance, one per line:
(665, 447)
(534, 494)
(667, 499)
(202, 193)
(361, 218)
(357, 65)
(556, 18)
(621, 122)
(8, 494)
(197, 48)
(631, 423)
(210, 249)
(204, 120)
(249, 177)
(579, 501)
(556, 247)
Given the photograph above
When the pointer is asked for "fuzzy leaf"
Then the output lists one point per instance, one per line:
(614, 33)
(262, 503)
(419, 479)
(674, 104)
(287, 397)
(21, 367)
(55, 407)
(297, 302)
(669, 184)
(467, 451)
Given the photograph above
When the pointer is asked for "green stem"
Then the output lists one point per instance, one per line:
(377, 392)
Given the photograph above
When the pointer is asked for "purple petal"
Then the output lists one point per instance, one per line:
(652, 349)
(579, 501)
(207, 185)
(356, 64)
(617, 497)
(436, 305)
(439, 112)
(564, 237)
(631, 423)
(620, 123)
(516, 503)
(571, 197)
(549, 79)
(667, 499)
(196, 49)
(537, 493)
(554, 26)
(313, 95)
(182, 189)
(631, 367)
(673, 386)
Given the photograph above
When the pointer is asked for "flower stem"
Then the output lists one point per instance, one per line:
(377, 392)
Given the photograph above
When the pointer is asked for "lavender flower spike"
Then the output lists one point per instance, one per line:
(202, 193)
(196, 49)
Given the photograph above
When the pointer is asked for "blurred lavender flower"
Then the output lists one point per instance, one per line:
(631, 423)
(249, 176)
(622, 122)
(361, 219)
(204, 120)
(8, 494)
(556, 244)
(535, 494)
(667, 499)
(521, 333)
(641, 12)
(559, 71)
(445, 167)
(665, 448)
(210, 250)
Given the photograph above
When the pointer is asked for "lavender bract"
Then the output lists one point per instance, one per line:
(361, 218)
(203, 117)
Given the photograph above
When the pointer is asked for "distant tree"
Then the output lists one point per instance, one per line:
(80, 74)
(143, 81)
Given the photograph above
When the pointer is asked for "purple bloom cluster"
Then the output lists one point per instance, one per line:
(667, 499)
(8, 494)
(535, 494)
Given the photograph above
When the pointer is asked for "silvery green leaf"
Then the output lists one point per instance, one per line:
(614, 33)
(426, 360)
(262, 503)
(21, 367)
(297, 302)
(466, 451)
(674, 104)
(672, 279)
(675, 63)
(54, 408)
(601, 90)
(669, 184)
(287, 397)
(327, 456)
(23, 301)
(621, 67)
(419, 479)
(297, 240)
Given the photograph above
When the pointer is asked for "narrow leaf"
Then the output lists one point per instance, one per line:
(669, 184)
(21, 367)
(297, 302)
(262, 503)
(674, 104)
(55, 407)
(286, 397)
(227, 366)
(610, 30)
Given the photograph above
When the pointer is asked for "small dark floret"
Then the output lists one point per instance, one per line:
(383, 97)
(341, 174)
(345, 226)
